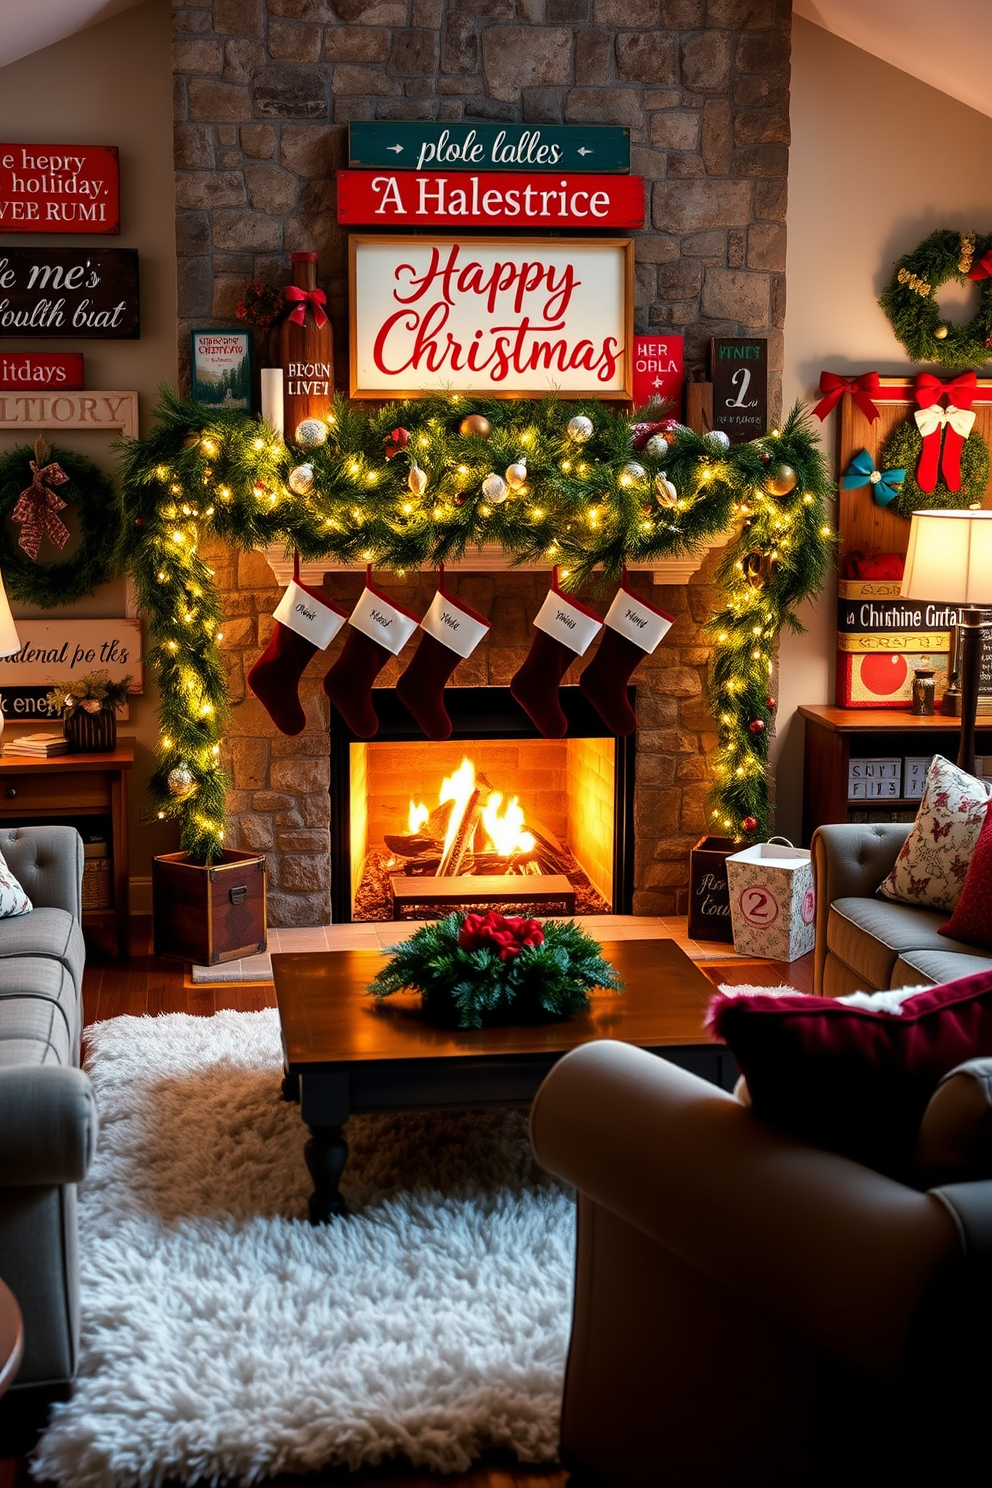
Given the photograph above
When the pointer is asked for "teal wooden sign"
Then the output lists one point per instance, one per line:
(482, 147)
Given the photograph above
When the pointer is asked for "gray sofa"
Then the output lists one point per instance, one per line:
(48, 1118)
(867, 943)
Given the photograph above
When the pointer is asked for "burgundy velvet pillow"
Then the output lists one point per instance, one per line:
(972, 917)
(855, 1079)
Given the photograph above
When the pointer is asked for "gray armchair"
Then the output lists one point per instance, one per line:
(48, 1121)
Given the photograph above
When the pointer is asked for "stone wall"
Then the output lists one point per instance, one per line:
(263, 91)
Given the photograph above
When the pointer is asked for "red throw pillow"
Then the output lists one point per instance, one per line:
(855, 1079)
(972, 917)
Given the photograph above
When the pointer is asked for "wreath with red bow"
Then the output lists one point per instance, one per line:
(37, 488)
(910, 300)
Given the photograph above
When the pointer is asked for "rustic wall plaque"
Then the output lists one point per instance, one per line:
(740, 386)
(69, 292)
(497, 317)
(59, 650)
(92, 410)
(59, 189)
(489, 199)
(480, 146)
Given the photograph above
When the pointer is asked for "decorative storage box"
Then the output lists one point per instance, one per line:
(709, 899)
(772, 903)
(914, 775)
(209, 914)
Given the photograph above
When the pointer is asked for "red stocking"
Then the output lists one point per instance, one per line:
(565, 629)
(305, 624)
(379, 630)
(631, 631)
(451, 631)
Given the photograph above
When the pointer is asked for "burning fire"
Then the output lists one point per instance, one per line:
(504, 824)
(418, 815)
(506, 831)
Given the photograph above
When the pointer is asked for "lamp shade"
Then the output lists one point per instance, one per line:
(949, 557)
(9, 642)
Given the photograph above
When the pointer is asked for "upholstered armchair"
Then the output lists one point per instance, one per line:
(750, 1310)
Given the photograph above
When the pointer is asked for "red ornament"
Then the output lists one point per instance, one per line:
(765, 457)
(398, 440)
(139, 521)
(771, 703)
(756, 726)
(750, 824)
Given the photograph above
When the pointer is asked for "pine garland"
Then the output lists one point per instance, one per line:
(585, 506)
(470, 988)
(902, 451)
(53, 585)
(910, 301)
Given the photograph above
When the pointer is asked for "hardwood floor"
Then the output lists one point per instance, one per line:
(148, 985)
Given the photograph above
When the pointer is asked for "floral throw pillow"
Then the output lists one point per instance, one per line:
(933, 862)
(13, 900)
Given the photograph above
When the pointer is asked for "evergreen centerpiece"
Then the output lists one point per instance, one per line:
(89, 706)
(472, 969)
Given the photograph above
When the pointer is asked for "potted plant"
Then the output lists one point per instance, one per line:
(88, 707)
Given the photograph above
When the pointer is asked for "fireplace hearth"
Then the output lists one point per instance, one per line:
(419, 828)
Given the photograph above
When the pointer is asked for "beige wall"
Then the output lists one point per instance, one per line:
(878, 161)
(112, 85)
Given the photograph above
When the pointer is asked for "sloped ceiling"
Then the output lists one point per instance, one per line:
(950, 49)
(28, 25)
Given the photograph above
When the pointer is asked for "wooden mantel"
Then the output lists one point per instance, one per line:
(489, 559)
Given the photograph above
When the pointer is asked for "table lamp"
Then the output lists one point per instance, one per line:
(950, 562)
(9, 642)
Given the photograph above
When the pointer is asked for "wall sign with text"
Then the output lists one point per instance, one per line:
(482, 147)
(489, 199)
(40, 369)
(740, 386)
(659, 371)
(60, 650)
(496, 317)
(59, 189)
(69, 292)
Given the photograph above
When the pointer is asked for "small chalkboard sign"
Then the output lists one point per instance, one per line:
(709, 897)
(740, 386)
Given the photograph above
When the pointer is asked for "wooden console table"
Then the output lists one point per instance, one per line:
(70, 787)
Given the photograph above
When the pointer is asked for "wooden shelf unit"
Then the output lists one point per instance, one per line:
(66, 788)
(835, 736)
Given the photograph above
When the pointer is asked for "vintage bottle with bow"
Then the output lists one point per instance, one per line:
(306, 353)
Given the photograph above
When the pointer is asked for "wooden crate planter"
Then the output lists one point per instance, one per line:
(208, 915)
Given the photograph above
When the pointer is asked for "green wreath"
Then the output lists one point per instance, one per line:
(910, 301)
(902, 451)
(54, 585)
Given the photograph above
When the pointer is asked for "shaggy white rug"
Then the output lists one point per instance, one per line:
(226, 1339)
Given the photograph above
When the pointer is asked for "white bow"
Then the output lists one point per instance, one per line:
(929, 420)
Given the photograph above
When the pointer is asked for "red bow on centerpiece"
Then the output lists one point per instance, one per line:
(508, 936)
(955, 421)
(300, 298)
(861, 389)
(38, 503)
(983, 268)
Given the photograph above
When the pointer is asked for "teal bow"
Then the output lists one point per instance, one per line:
(862, 472)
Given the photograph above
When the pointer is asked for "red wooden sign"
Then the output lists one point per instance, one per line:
(40, 369)
(59, 189)
(489, 199)
(658, 371)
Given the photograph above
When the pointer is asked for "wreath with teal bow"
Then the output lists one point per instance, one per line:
(79, 484)
(910, 300)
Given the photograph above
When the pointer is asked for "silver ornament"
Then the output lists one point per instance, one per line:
(494, 489)
(301, 480)
(657, 446)
(717, 440)
(632, 474)
(417, 480)
(667, 494)
(516, 475)
(310, 432)
(579, 428)
(180, 780)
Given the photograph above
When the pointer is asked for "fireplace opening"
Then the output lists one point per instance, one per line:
(496, 817)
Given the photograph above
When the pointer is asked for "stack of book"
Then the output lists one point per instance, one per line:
(37, 746)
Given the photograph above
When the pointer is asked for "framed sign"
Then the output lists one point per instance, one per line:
(220, 368)
(740, 386)
(489, 199)
(481, 146)
(59, 189)
(659, 363)
(494, 317)
(59, 650)
(41, 369)
(69, 292)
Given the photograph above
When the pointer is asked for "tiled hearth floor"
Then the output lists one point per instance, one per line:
(378, 935)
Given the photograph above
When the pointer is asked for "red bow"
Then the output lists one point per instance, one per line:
(960, 393)
(983, 268)
(861, 388)
(300, 298)
(508, 937)
(36, 508)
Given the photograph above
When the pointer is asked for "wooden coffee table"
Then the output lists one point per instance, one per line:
(345, 1055)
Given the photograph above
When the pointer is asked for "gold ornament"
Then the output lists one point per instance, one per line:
(494, 489)
(941, 333)
(180, 780)
(92, 705)
(632, 474)
(516, 475)
(667, 494)
(781, 480)
(301, 480)
(579, 428)
(476, 424)
(310, 432)
(417, 480)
